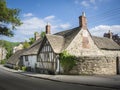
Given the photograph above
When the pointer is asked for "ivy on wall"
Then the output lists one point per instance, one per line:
(67, 61)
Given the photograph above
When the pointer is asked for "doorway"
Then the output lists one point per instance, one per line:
(118, 64)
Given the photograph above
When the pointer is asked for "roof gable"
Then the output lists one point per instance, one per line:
(69, 35)
(56, 42)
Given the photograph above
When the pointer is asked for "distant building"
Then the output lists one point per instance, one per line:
(16, 48)
(115, 37)
(3, 53)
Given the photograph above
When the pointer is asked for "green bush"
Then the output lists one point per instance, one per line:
(2, 61)
(67, 61)
(24, 68)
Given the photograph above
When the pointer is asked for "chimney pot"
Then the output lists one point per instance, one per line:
(83, 14)
(110, 34)
(83, 21)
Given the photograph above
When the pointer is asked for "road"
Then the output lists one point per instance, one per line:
(14, 81)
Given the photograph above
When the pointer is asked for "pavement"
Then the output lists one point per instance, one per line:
(98, 81)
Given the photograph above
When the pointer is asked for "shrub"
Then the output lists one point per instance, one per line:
(24, 68)
(67, 61)
(2, 61)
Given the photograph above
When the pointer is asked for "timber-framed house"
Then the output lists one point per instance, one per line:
(98, 53)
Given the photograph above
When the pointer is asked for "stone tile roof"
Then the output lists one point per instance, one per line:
(105, 43)
(59, 41)
(56, 42)
(15, 58)
(33, 49)
(101, 42)
(69, 35)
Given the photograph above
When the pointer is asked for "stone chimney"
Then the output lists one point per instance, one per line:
(83, 21)
(110, 34)
(36, 35)
(48, 29)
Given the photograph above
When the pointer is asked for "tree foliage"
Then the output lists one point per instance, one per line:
(42, 34)
(26, 44)
(9, 17)
(31, 40)
(8, 46)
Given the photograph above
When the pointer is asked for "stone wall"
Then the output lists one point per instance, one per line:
(95, 66)
(77, 48)
(113, 53)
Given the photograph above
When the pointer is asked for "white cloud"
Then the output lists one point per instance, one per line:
(85, 3)
(35, 24)
(65, 26)
(30, 26)
(92, 1)
(101, 29)
(49, 17)
(27, 15)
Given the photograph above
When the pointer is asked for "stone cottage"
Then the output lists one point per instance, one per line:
(15, 60)
(29, 56)
(95, 55)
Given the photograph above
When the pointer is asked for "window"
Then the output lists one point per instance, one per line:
(26, 58)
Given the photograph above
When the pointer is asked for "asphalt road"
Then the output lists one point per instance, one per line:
(14, 81)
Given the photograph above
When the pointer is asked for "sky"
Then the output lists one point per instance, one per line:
(102, 15)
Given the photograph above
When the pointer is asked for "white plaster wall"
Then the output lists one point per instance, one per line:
(32, 61)
(25, 63)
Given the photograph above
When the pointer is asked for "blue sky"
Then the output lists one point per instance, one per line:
(102, 15)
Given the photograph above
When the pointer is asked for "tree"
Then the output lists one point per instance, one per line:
(26, 44)
(42, 34)
(9, 17)
(31, 40)
(8, 46)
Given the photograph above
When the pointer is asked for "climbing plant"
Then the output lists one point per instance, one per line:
(67, 61)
